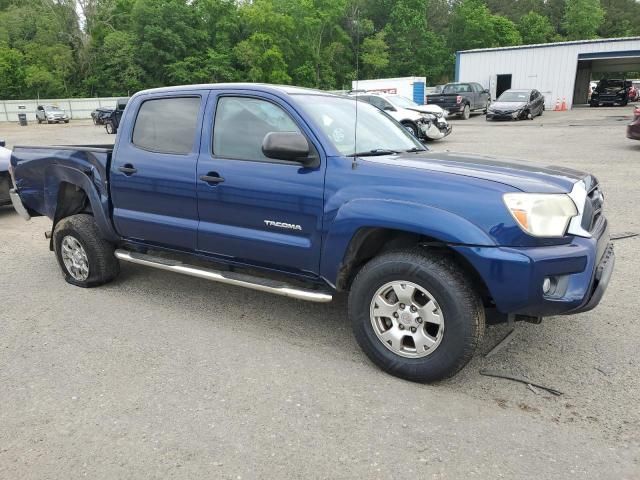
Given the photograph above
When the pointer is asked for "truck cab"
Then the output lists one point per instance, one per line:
(305, 194)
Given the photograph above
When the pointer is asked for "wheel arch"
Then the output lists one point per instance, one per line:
(69, 191)
(354, 237)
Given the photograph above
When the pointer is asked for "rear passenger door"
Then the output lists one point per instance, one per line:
(153, 171)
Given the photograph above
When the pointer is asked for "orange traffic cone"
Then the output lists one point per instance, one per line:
(557, 107)
(564, 104)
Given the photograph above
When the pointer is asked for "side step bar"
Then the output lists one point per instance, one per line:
(231, 278)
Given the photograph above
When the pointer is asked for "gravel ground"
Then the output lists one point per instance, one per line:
(161, 376)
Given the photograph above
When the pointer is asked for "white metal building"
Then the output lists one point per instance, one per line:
(558, 70)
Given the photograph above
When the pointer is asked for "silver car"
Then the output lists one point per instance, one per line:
(51, 114)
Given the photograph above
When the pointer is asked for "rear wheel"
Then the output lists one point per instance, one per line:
(86, 259)
(109, 127)
(416, 315)
(466, 112)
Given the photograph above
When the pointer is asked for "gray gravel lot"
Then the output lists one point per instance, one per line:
(162, 376)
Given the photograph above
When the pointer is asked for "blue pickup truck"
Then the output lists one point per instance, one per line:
(305, 194)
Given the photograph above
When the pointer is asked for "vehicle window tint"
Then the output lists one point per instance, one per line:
(242, 123)
(167, 125)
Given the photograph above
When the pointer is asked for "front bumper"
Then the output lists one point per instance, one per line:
(503, 115)
(514, 276)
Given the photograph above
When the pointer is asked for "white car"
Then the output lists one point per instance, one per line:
(5, 179)
(426, 122)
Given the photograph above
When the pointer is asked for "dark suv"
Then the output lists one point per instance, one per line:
(611, 92)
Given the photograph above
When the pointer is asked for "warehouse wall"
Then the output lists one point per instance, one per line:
(77, 108)
(551, 69)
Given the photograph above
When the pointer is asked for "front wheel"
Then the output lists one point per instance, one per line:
(416, 315)
(86, 259)
(411, 127)
(109, 128)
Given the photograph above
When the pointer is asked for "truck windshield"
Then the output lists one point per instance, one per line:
(376, 132)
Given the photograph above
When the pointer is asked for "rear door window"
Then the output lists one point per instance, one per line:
(167, 125)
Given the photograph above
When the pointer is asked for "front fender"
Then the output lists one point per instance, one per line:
(56, 175)
(425, 220)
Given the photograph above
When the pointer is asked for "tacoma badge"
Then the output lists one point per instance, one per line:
(288, 226)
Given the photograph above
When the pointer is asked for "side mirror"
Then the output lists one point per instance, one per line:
(485, 91)
(286, 146)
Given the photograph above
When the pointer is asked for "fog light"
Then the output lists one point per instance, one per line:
(546, 285)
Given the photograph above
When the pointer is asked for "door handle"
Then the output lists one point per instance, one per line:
(128, 169)
(212, 178)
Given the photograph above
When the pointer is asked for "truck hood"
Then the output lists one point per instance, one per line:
(520, 175)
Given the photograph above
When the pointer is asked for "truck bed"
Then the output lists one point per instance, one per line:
(40, 170)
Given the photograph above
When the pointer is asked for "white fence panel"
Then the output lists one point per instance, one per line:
(77, 108)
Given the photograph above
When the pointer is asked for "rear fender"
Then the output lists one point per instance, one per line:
(423, 220)
(56, 176)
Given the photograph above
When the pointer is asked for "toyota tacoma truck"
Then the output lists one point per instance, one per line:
(306, 194)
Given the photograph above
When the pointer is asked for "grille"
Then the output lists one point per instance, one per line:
(592, 208)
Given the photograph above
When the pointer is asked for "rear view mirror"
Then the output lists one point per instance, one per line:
(286, 146)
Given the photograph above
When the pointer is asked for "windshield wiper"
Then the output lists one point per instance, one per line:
(374, 152)
(416, 149)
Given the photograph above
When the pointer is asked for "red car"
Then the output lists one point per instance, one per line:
(633, 94)
(633, 129)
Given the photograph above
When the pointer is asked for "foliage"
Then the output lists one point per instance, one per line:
(535, 28)
(58, 48)
(582, 19)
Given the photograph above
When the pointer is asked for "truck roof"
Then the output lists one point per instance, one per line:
(256, 87)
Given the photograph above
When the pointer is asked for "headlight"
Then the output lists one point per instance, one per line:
(541, 214)
(428, 117)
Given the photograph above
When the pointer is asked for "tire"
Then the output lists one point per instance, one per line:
(99, 259)
(454, 298)
(66, 121)
(411, 127)
(466, 113)
(109, 128)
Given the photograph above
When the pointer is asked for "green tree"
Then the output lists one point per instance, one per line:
(12, 73)
(535, 28)
(473, 26)
(582, 19)
(414, 49)
(374, 55)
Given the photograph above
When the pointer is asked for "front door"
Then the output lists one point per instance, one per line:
(153, 172)
(253, 209)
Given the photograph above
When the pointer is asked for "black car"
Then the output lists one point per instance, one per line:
(112, 121)
(99, 115)
(611, 92)
(517, 105)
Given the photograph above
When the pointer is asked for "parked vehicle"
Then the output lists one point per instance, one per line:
(461, 99)
(633, 129)
(426, 122)
(297, 194)
(517, 105)
(611, 92)
(5, 179)
(100, 114)
(51, 114)
(112, 121)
